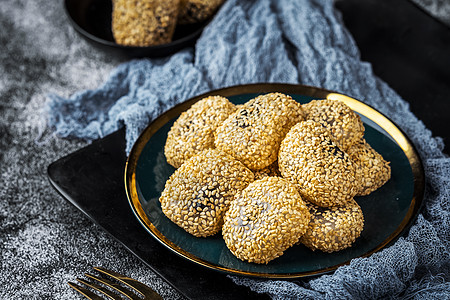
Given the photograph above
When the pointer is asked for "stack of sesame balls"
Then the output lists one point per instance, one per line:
(270, 173)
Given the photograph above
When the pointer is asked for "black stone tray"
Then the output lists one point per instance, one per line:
(407, 48)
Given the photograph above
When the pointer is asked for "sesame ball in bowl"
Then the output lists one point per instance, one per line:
(193, 131)
(310, 158)
(198, 193)
(372, 170)
(93, 20)
(264, 220)
(343, 123)
(253, 133)
(333, 229)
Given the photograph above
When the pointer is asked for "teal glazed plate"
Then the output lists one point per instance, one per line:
(388, 212)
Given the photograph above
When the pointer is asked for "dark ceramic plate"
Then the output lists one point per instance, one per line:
(92, 19)
(388, 212)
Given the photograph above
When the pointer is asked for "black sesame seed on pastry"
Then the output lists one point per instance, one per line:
(333, 229)
(264, 220)
(198, 193)
(310, 158)
(193, 131)
(253, 133)
(344, 124)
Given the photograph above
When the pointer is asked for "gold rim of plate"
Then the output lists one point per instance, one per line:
(387, 125)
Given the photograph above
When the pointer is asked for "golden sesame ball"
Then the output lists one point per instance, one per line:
(372, 171)
(270, 170)
(198, 193)
(264, 220)
(252, 134)
(194, 130)
(144, 22)
(333, 229)
(310, 158)
(344, 124)
(193, 11)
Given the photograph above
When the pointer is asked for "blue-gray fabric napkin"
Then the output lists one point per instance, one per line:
(290, 42)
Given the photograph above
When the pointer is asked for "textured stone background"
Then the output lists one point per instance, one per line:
(40, 54)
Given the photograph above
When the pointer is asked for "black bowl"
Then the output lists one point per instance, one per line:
(92, 19)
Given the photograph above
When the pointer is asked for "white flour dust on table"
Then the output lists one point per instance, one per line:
(44, 240)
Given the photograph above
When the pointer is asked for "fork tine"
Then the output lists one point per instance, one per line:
(115, 286)
(143, 289)
(101, 289)
(85, 292)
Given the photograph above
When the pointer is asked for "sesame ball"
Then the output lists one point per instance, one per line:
(194, 130)
(144, 22)
(264, 220)
(333, 229)
(252, 134)
(193, 11)
(344, 124)
(372, 171)
(310, 158)
(198, 193)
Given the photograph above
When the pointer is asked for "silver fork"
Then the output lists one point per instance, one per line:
(139, 287)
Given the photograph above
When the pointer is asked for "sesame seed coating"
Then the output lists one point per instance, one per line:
(253, 133)
(198, 193)
(310, 158)
(333, 229)
(344, 124)
(144, 22)
(264, 220)
(193, 131)
(372, 171)
(193, 11)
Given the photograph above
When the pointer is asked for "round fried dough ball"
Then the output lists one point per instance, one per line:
(144, 22)
(344, 124)
(198, 193)
(323, 173)
(193, 11)
(333, 229)
(252, 134)
(372, 171)
(194, 130)
(264, 220)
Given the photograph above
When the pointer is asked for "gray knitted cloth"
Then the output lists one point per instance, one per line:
(259, 41)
